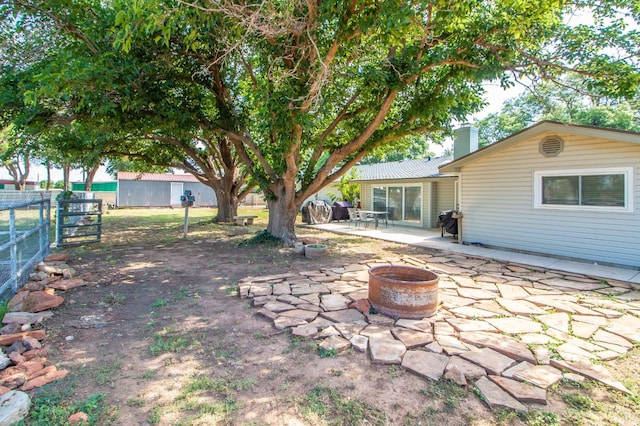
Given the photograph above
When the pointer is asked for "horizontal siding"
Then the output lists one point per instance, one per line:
(497, 203)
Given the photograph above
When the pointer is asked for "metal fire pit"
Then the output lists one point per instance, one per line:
(403, 291)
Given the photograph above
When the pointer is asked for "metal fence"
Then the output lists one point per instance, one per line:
(24, 241)
(78, 221)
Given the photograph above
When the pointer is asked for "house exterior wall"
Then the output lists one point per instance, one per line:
(437, 195)
(143, 193)
(496, 199)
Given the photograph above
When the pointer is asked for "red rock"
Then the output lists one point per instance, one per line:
(7, 339)
(361, 305)
(36, 285)
(49, 290)
(37, 301)
(55, 278)
(3, 390)
(33, 366)
(14, 380)
(56, 257)
(30, 343)
(78, 418)
(16, 302)
(35, 353)
(16, 357)
(67, 284)
(45, 379)
(44, 371)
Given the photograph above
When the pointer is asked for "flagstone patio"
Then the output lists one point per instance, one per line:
(509, 329)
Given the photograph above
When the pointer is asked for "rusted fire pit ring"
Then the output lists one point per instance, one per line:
(403, 291)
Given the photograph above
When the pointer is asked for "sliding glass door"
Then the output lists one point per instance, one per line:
(402, 202)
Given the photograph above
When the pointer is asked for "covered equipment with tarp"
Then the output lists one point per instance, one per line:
(340, 211)
(316, 211)
(448, 221)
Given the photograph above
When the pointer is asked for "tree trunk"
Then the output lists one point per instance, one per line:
(48, 163)
(282, 218)
(91, 174)
(227, 206)
(66, 171)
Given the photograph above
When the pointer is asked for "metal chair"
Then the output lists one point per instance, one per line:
(364, 219)
(353, 215)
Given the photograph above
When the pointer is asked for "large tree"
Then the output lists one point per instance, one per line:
(564, 101)
(311, 87)
(149, 103)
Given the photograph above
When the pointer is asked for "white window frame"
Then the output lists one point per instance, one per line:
(628, 173)
(403, 186)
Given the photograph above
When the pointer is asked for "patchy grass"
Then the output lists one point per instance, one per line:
(325, 406)
(104, 374)
(50, 407)
(169, 341)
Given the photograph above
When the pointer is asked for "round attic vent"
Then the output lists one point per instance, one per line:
(551, 146)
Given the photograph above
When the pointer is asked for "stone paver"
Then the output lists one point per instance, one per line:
(385, 350)
(523, 392)
(411, 338)
(542, 376)
(506, 345)
(508, 291)
(359, 343)
(559, 321)
(335, 343)
(492, 361)
(346, 315)
(470, 370)
(425, 364)
(595, 372)
(334, 302)
(515, 325)
(497, 398)
(461, 324)
(520, 307)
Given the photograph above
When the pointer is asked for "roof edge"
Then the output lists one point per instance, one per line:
(543, 126)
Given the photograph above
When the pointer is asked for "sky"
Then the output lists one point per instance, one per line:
(495, 96)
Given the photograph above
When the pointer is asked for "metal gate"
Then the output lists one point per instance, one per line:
(78, 222)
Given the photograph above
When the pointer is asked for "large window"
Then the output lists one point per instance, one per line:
(596, 189)
(401, 202)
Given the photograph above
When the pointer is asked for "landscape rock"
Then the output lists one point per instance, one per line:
(7, 339)
(470, 370)
(456, 376)
(497, 398)
(492, 361)
(359, 343)
(384, 350)
(14, 407)
(67, 284)
(37, 301)
(44, 379)
(425, 364)
(542, 376)
(523, 392)
(78, 418)
(411, 338)
(595, 372)
(57, 257)
(506, 345)
(26, 317)
(335, 343)
(4, 360)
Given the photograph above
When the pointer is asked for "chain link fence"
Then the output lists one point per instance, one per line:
(24, 239)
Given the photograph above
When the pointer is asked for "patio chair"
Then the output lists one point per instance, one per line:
(353, 215)
(364, 219)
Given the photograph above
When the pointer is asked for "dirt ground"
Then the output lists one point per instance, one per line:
(161, 332)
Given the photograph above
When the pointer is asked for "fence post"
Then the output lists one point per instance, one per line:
(13, 250)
